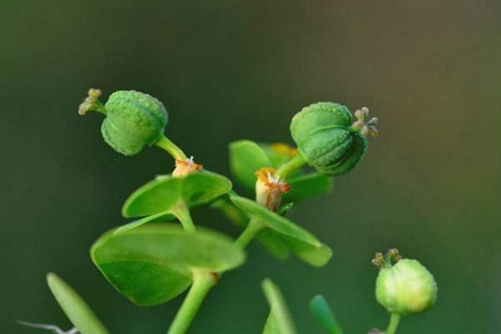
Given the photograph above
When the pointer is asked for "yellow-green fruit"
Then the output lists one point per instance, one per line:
(406, 287)
(324, 136)
(133, 121)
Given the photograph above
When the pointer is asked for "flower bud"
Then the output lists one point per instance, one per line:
(405, 288)
(328, 138)
(134, 121)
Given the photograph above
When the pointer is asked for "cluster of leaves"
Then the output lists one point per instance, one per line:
(153, 263)
(153, 259)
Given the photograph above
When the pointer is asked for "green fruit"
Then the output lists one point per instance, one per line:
(134, 121)
(406, 287)
(325, 137)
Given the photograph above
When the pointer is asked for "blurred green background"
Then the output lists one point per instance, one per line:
(228, 70)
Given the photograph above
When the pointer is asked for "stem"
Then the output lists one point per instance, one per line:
(182, 212)
(203, 281)
(394, 321)
(99, 107)
(171, 148)
(295, 163)
(251, 230)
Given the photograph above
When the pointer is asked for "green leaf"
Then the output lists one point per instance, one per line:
(284, 209)
(163, 194)
(77, 310)
(301, 242)
(306, 186)
(317, 256)
(279, 320)
(154, 263)
(274, 221)
(323, 314)
(162, 216)
(273, 245)
(278, 153)
(246, 158)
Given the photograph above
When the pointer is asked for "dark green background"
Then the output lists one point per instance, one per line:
(227, 70)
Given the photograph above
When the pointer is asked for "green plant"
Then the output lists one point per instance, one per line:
(150, 261)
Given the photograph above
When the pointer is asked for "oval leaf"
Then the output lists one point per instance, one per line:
(301, 242)
(164, 193)
(246, 158)
(278, 153)
(77, 310)
(317, 256)
(159, 217)
(154, 263)
(272, 244)
(306, 186)
(279, 320)
(274, 221)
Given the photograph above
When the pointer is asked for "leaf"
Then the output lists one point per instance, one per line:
(278, 153)
(162, 216)
(276, 247)
(246, 158)
(163, 194)
(154, 263)
(284, 209)
(301, 242)
(274, 221)
(306, 186)
(323, 314)
(156, 196)
(168, 197)
(279, 320)
(77, 310)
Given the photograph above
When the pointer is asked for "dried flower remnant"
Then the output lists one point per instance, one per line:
(185, 167)
(365, 125)
(91, 102)
(269, 189)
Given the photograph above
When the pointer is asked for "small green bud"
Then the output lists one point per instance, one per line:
(328, 138)
(406, 287)
(133, 121)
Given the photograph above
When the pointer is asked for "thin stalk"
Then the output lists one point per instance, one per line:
(171, 148)
(250, 232)
(202, 283)
(99, 107)
(295, 163)
(182, 212)
(394, 321)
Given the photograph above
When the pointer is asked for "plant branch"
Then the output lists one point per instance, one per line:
(182, 212)
(171, 148)
(394, 321)
(203, 281)
(251, 230)
(295, 163)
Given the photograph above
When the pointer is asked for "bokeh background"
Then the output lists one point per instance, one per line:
(228, 70)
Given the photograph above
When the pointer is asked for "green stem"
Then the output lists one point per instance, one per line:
(171, 148)
(394, 321)
(99, 107)
(202, 283)
(295, 163)
(251, 230)
(182, 212)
